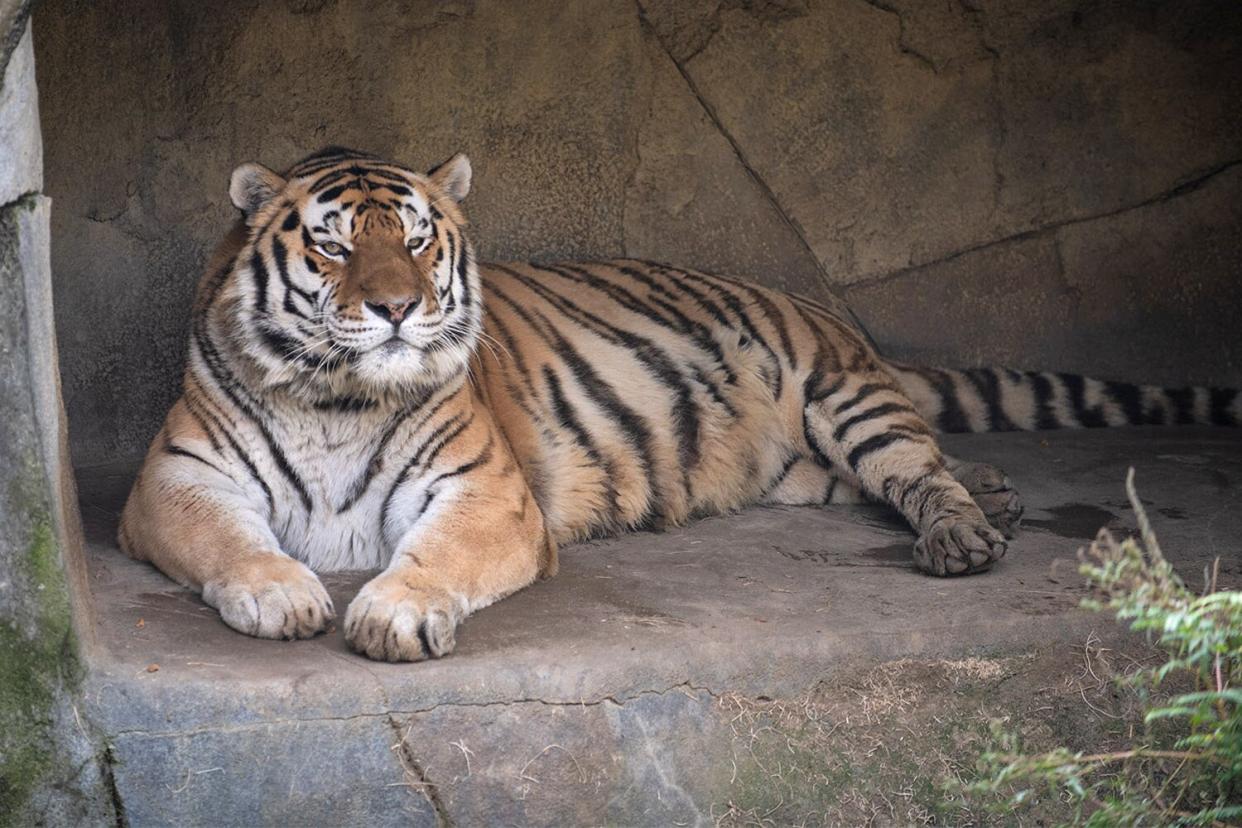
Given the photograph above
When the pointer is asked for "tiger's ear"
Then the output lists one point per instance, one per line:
(252, 186)
(452, 176)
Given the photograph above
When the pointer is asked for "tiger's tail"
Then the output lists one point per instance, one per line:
(1002, 399)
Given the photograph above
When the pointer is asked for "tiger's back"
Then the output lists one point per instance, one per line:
(637, 395)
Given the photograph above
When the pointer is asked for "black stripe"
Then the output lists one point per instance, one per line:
(327, 179)
(433, 441)
(345, 404)
(1045, 417)
(1183, 400)
(450, 437)
(685, 411)
(180, 452)
(813, 396)
(713, 390)
(812, 443)
(830, 491)
(952, 419)
(518, 360)
(228, 384)
(416, 460)
(869, 414)
(244, 458)
(679, 323)
(916, 487)
(451, 238)
(863, 393)
(333, 193)
(775, 381)
(775, 318)
(1221, 400)
(200, 417)
(388, 184)
(619, 294)
(819, 363)
(281, 255)
(700, 298)
(259, 272)
(637, 433)
(463, 275)
(568, 419)
(780, 477)
(465, 468)
(1130, 399)
(850, 331)
(376, 462)
(1075, 387)
(646, 279)
(873, 444)
(987, 384)
(283, 345)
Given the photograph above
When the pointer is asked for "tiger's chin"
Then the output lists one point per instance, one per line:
(390, 373)
(397, 369)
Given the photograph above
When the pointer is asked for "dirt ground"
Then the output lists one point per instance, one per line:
(900, 746)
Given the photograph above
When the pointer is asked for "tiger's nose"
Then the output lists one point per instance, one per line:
(394, 311)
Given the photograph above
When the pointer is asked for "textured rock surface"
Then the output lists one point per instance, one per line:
(21, 150)
(50, 768)
(1048, 184)
(627, 690)
(1157, 286)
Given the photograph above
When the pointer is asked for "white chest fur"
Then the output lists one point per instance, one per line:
(327, 506)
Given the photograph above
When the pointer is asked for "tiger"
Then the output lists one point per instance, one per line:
(361, 393)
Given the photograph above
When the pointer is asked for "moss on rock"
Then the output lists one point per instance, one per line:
(38, 651)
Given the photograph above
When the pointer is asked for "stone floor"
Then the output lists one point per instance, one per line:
(597, 697)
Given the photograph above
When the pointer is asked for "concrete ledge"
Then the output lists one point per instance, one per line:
(606, 694)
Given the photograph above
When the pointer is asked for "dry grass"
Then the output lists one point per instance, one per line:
(897, 745)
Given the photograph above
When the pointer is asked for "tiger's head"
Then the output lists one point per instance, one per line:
(356, 275)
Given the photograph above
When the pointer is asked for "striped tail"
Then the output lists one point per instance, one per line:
(1001, 399)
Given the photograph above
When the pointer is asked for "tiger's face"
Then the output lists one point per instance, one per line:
(357, 276)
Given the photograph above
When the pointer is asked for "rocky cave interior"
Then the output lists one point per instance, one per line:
(1054, 185)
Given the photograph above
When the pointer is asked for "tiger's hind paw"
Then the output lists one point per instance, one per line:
(959, 546)
(993, 492)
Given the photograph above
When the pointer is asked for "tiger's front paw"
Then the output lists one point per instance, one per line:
(392, 620)
(271, 596)
(959, 546)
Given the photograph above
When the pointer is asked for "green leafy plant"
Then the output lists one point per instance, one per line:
(1186, 767)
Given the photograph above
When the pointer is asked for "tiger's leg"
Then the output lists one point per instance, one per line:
(865, 426)
(200, 519)
(803, 482)
(467, 532)
(806, 483)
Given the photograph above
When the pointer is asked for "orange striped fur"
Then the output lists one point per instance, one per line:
(361, 393)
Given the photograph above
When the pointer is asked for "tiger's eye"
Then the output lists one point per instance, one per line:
(416, 244)
(332, 248)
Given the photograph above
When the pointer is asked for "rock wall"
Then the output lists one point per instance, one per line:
(52, 768)
(1050, 184)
